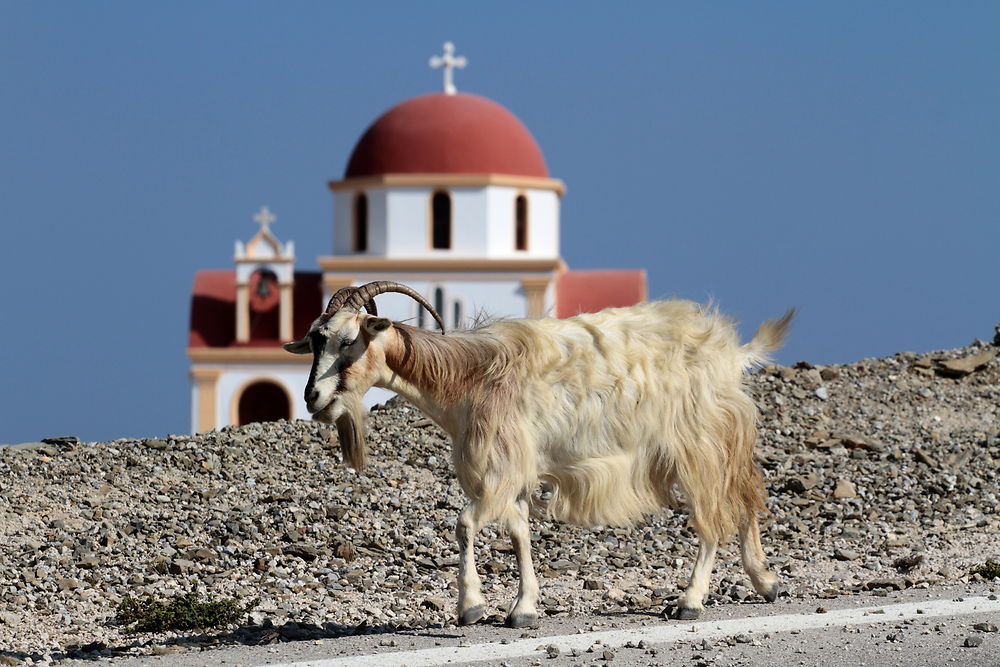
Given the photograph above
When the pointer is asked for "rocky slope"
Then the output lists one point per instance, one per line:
(881, 474)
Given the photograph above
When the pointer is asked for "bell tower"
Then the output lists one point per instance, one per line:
(267, 268)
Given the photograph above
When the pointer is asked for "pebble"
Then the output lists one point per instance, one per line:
(269, 511)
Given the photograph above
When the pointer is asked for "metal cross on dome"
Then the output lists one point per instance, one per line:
(264, 218)
(449, 62)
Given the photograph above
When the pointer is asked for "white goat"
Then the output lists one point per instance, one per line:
(613, 410)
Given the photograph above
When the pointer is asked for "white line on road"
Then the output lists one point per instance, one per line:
(661, 634)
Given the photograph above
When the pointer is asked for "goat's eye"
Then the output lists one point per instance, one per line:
(346, 344)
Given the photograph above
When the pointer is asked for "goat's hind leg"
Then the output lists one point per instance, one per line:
(754, 561)
(692, 602)
(471, 603)
(523, 612)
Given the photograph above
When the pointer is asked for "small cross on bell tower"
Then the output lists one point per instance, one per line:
(449, 61)
(264, 218)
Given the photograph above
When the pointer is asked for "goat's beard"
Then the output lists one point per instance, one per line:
(351, 431)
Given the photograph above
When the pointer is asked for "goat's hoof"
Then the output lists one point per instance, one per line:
(472, 615)
(685, 613)
(773, 594)
(522, 620)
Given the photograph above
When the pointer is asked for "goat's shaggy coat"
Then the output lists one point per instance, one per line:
(615, 411)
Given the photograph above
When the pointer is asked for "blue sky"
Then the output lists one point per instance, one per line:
(841, 157)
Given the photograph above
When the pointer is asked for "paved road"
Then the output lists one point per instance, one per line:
(914, 627)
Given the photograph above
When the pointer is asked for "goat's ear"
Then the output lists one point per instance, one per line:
(300, 346)
(376, 325)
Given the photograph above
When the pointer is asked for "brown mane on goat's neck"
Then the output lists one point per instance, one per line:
(446, 368)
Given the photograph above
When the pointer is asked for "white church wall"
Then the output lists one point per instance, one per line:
(378, 215)
(343, 203)
(407, 230)
(469, 215)
(543, 223)
(495, 297)
(499, 298)
(500, 224)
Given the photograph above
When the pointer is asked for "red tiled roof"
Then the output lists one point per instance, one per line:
(591, 291)
(213, 309)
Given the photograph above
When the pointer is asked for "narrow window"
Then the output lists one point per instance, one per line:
(441, 221)
(521, 223)
(457, 313)
(360, 222)
(439, 300)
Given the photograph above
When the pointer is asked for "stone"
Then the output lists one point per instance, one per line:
(306, 552)
(857, 440)
(434, 603)
(892, 584)
(803, 483)
(907, 563)
(180, 566)
(844, 489)
(846, 554)
(957, 368)
(973, 641)
(640, 602)
(984, 627)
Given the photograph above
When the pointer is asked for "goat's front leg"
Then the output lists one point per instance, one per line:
(523, 612)
(471, 603)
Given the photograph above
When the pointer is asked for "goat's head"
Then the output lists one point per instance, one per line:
(348, 358)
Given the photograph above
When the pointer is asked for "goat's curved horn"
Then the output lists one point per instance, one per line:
(367, 293)
(338, 300)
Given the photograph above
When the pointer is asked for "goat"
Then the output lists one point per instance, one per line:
(613, 411)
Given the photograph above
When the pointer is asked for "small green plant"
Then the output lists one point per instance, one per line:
(184, 612)
(988, 571)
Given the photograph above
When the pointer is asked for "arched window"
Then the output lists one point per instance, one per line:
(263, 401)
(360, 222)
(441, 221)
(521, 223)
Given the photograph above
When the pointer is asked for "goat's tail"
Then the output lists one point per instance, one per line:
(768, 338)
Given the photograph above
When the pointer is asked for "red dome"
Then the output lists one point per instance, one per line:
(447, 134)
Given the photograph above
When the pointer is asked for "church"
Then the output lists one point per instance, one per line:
(446, 192)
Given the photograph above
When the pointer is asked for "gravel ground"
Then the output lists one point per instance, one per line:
(882, 474)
